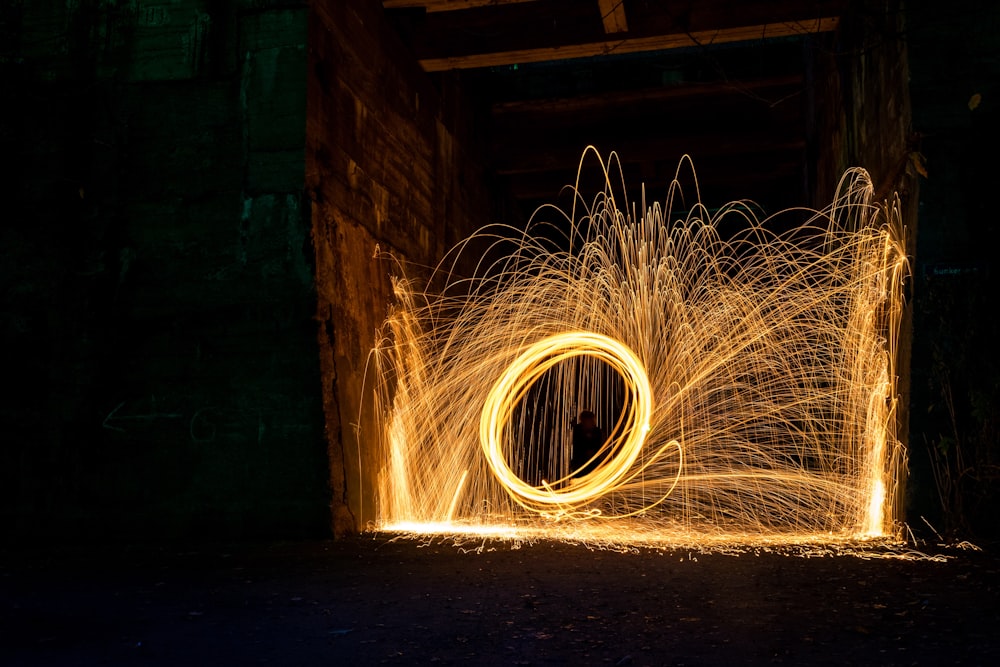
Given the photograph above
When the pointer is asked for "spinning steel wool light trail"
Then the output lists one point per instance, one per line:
(744, 370)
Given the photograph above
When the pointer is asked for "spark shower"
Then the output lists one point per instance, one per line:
(743, 372)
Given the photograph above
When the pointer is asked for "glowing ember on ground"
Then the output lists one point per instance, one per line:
(746, 381)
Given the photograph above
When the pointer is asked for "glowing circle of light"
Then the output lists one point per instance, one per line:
(514, 383)
(771, 348)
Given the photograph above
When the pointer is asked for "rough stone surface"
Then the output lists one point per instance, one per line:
(391, 168)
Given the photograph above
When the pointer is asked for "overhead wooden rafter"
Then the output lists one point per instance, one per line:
(737, 109)
(612, 11)
(491, 33)
(613, 16)
(660, 95)
(447, 5)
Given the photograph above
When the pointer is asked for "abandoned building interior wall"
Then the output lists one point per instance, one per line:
(395, 174)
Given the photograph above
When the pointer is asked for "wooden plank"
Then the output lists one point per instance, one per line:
(447, 5)
(627, 98)
(534, 158)
(675, 40)
(551, 24)
(613, 16)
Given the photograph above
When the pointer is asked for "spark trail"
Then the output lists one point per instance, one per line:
(744, 371)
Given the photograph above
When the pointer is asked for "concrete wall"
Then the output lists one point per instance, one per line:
(392, 164)
(158, 273)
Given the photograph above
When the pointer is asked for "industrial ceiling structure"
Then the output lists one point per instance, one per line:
(730, 83)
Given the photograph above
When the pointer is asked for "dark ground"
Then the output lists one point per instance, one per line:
(369, 601)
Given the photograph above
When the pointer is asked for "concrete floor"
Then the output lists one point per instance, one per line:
(373, 601)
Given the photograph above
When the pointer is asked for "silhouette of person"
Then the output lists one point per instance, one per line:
(588, 439)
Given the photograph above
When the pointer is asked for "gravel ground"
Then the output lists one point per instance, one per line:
(371, 600)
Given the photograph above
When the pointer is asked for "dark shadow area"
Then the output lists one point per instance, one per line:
(955, 424)
(370, 601)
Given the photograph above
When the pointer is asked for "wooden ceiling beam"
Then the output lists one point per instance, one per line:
(628, 98)
(613, 16)
(627, 45)
(508, 33)
(432, 6)
(521, 160)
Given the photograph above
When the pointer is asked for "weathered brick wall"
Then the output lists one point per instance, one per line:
(391, 164)
(158, 272)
